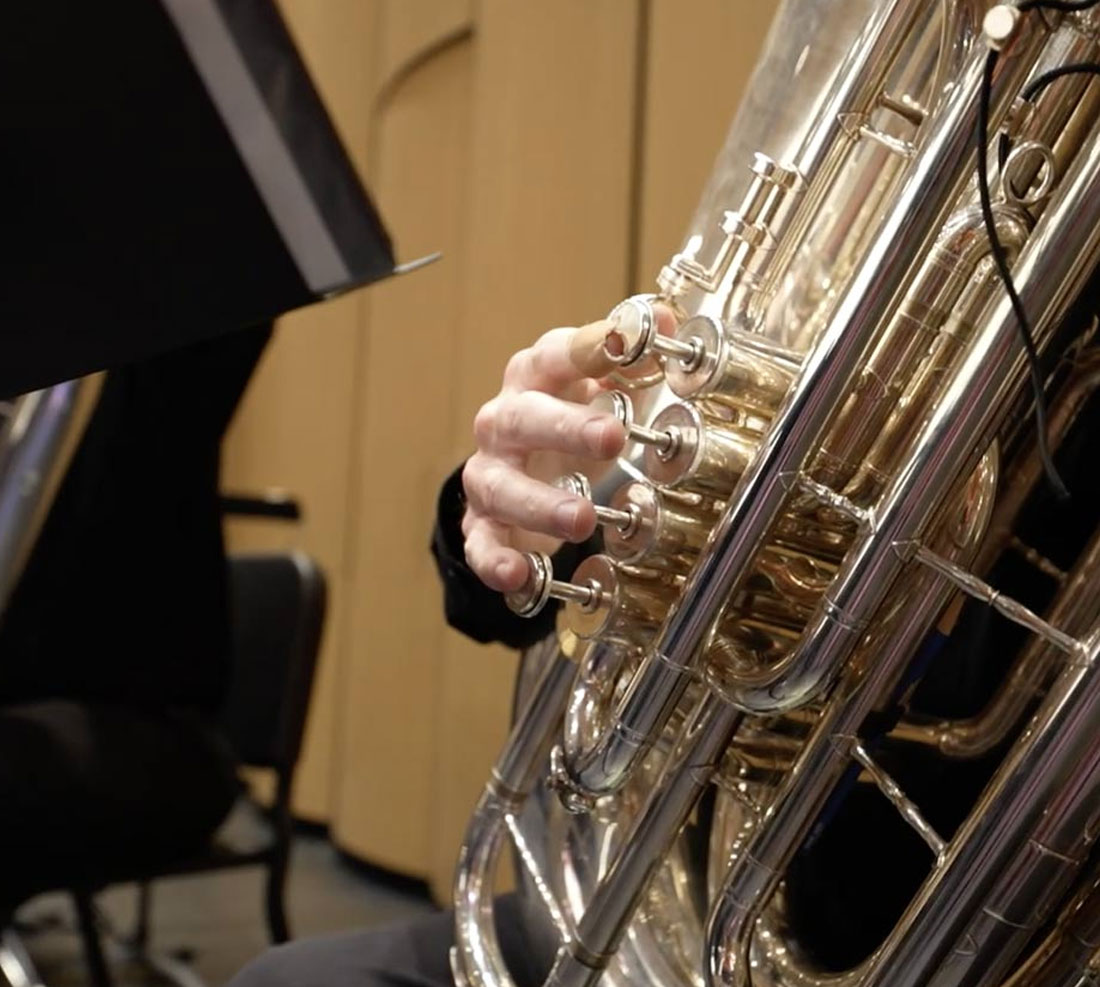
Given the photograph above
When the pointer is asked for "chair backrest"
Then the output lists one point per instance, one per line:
(277, 608)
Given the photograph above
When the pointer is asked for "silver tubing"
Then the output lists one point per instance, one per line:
(16, 966)
(33, 440)
(1008, 608)
(581, 962)
(1051, 272)
(1075, 608)
(920, 210)
(476, 959)
(756, 872)
(1014, 858)
(1070, 955)
(907, 808)
(859, 81)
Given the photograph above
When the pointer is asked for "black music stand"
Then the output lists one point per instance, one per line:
(167, 173)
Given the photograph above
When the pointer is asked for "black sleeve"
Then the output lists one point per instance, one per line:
(470, 606)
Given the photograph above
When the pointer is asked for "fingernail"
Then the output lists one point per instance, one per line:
(502, 569)
(565, 515)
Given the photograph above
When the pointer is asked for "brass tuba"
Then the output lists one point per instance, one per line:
(880, 341)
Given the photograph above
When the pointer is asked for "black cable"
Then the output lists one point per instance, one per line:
(1040, 82)
(1000, 258)
(1036, 86)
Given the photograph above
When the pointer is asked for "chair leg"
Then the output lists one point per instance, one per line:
(277, 926)
(98, 972)
(139, 942)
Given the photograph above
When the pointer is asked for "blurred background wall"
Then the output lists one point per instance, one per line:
(553, 150)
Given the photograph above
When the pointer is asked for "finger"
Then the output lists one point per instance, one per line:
(496, 564)
(504, 494)
(529, 421)
(587, 351)
(667, 322)
(560, 358)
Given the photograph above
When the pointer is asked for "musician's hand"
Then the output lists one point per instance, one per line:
(535, 430)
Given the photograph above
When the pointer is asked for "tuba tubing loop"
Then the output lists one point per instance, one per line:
(915, 219)
(1052, 269)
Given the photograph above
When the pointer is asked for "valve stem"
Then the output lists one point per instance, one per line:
(619, 404)
(625, 522)
(541, 587)
(688, 351)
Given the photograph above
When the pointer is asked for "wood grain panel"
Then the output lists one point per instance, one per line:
(405, 385)
(505, 135)
(701, 54)
(295, 424)
(547, 244)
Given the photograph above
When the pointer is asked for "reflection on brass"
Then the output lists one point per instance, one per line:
(724, 372)
(865, 345)
(820, 533)
(627, 604)
(794, 576)
(668, 532)
(741, 647)
(707, 456)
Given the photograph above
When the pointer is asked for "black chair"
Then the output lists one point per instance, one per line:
(278, 606)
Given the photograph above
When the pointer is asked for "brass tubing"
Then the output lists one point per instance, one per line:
(826, 147)
(1073, 611)
(476, 959)
(1053, 267)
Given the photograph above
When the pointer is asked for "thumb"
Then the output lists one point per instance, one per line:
(586, 349)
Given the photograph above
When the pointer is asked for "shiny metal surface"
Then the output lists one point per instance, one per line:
(37, 437)
(850, 454)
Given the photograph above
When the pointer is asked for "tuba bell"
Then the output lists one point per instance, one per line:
(883, 343)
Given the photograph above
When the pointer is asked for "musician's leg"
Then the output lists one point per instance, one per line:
(88, 791)
(414, 953)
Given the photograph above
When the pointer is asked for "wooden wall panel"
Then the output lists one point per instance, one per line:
(701, 54)
(504, 134)
(384, 801)
(294, 429)
(549, 202)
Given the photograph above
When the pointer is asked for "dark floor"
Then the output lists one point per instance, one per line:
(219, 917)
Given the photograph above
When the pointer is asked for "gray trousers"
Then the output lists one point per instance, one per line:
(413, 953)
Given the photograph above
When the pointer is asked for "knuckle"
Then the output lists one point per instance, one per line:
(471, 553)
(516, 368)
(510, 422)
(492, 491)
(474, 465)
(485, 424)
(532, 508)
(538, 362)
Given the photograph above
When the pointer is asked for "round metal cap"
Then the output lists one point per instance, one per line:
(999, 24)
(686, 423)
(687, 381)
(588, 621)
(535, 593)
(633, 545)
(635, 326)
(617, 404)
(576, 484)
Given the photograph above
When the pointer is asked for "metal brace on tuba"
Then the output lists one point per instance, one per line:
(837, 449)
